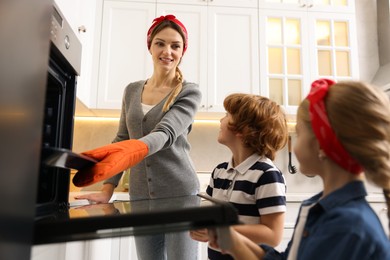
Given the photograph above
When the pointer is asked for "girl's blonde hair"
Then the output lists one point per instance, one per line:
(261, 122)
(360, 117)
(359, 114)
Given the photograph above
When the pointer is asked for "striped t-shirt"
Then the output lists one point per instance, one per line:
(256, 187)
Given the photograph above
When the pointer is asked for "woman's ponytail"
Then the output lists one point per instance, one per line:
(175, 91)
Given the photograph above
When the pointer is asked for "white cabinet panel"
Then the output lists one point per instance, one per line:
(194, 61)
(124, 56)
(228, 3)
(298, 47)
(347, 6)
(44, 252)
(233, 60)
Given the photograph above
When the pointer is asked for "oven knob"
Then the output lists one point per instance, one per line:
(67, 42)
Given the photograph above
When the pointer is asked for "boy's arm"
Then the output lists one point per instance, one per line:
(269, 231)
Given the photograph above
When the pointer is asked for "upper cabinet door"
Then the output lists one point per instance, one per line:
(222, 56)
(233, 57)
(334, 6)
(124, 56)
(333, 44)
(194, 61)
(299, 47)
(234, 3)
(231, 3)
(284, 57)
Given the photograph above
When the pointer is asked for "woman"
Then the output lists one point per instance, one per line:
(343, 136)
(156, 118)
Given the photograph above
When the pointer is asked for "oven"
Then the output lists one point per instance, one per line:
(57, 131)
(55, 221)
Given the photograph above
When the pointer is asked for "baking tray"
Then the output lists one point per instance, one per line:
(64, 158)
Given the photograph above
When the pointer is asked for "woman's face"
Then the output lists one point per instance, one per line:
(167, 49)
(306, 150)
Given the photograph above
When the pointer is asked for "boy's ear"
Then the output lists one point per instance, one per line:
(238, 134)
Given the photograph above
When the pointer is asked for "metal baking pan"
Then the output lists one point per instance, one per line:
(64, 158)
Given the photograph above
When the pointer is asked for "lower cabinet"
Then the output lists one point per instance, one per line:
(122, 248)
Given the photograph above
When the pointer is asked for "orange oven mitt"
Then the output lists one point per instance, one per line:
(112, 159)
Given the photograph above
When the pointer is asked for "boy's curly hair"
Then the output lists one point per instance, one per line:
(261, 121)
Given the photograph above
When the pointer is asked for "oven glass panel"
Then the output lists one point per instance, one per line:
(53, 184)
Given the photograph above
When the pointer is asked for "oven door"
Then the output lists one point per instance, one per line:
(141, 217)
(57, 132)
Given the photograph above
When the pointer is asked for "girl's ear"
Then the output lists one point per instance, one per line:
(321, 155)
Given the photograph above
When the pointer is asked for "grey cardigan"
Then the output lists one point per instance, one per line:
(168, 170)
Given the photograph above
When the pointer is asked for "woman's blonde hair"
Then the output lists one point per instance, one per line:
(178, 75)
(261, 122)
(176, 90)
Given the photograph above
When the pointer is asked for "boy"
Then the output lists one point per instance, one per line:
(254, 129)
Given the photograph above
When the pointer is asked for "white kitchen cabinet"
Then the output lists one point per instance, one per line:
(232, 47)
(124, 56)
(84, 18)
(223, 49)
(297, 47)
(216, 34)
(194, 61)
(329, 6)
(44, 252)
(230, 3)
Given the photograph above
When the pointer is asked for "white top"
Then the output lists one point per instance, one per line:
(146, 108)
(298, 232)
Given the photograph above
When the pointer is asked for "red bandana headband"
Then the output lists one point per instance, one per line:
(172, 18)
(323, 130)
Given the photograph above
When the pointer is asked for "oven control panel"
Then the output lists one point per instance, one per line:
(66, 41)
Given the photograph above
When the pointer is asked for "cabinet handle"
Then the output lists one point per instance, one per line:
(211, 106)
(82, 28)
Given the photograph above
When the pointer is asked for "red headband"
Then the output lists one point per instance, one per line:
(323, 130)
(172, 18)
